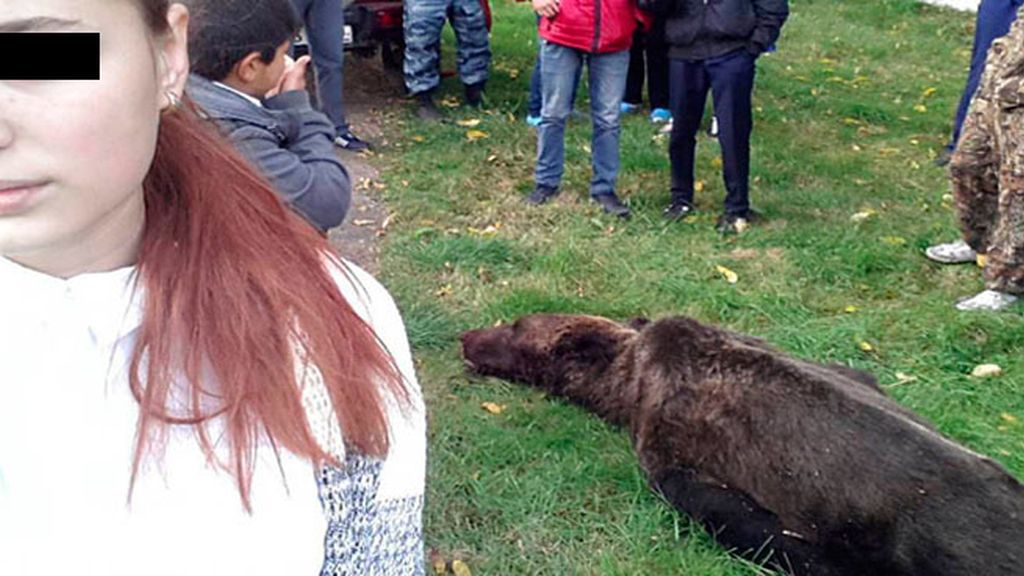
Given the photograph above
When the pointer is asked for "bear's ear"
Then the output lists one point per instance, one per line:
(638, 323)
(597, 349)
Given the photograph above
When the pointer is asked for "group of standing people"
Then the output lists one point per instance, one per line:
(711, 47)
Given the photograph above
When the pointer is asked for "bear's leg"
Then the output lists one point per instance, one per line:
(739, 523)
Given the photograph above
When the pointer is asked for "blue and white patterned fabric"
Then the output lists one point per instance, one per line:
(367, 536)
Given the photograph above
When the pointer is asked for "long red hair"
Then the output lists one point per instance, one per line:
(233, 281)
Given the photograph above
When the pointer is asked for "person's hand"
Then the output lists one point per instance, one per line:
(294, 76)
(546, 8)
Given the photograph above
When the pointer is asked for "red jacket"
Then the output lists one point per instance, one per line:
(595, 26)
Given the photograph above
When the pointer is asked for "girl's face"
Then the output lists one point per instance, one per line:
(73, 154)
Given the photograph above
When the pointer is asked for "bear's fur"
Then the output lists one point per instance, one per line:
(809, 464)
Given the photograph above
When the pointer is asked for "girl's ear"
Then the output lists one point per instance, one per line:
(173, 56)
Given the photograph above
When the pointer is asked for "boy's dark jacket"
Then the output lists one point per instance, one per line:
(701, 29)
(289, 142)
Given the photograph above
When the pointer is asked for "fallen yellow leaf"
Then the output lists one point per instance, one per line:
(986, 370)
(470, 123)
(459, 568)
(920, 108)
(716, 162)
(698, 186)
(894, 240)
(1008, 418)
(492, 407)
(418, 138)
(443, 291)
(437, 562)
(865, 346)
(473, 135)
(730, 276)
(981, 260)
(904, 378)
(863, 215)
(929, 91)
(850, 309)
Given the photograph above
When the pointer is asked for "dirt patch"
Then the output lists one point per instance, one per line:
(369, 91)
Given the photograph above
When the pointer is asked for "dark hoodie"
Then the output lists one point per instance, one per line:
(702, 29)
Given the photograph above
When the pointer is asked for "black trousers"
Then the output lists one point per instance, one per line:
(730, 78)
(649, 54)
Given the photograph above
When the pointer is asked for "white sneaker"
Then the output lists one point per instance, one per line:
(951, 253)
(989, 300)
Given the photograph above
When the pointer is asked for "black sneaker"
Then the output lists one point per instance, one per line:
(678, 209)
(350, 141)
(541, 195)
(475, 94)
(427, 110)
(612, 205)
(736, 223)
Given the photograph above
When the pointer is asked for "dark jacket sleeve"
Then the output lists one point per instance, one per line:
(771, 14)
(304, 170)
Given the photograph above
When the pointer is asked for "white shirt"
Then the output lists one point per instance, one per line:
(67, 431)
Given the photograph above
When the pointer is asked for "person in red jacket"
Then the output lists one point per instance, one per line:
(598, 32)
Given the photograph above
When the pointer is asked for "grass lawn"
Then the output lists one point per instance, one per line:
(849, 114)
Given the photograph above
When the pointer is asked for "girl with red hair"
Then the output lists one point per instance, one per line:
(190, 381)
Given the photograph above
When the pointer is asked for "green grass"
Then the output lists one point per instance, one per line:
(849, 113)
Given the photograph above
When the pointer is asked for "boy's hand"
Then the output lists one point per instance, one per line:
(294, 77)
(546, 8)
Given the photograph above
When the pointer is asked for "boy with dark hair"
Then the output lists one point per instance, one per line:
(243, 81)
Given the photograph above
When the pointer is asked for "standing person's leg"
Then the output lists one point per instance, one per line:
(688, 91)
(990, 198)
(1004, 266)
(423, 20)
(993, 20)
(473, 47)
(325, 20)
(607, 75)
(974, 173)
(732, 87)
(558, 66)
(657, 75)
(533, 103)
(634, 95)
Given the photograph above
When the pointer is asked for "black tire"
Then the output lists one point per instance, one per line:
(392, 55)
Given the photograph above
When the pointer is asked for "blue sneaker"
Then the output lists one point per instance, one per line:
(661, 116)
(533, 121)
(627, 108)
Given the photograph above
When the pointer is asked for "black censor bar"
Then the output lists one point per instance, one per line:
(50, 56)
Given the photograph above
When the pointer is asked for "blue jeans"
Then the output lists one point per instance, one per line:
(993, 21)
(536, 99)
(560, 67)
(730, 78)
(325, 20)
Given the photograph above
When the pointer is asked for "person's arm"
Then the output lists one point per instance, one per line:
(305, 171)
(374, 508)
(771, 15)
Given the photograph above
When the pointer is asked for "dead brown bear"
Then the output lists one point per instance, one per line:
(810, 463)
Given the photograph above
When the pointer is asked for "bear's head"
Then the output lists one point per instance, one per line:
(550, 351)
